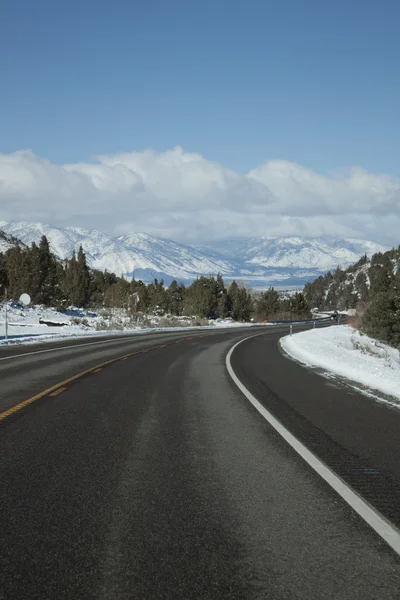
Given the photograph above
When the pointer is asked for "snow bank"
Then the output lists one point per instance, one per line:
(345, 352)
(31, 325)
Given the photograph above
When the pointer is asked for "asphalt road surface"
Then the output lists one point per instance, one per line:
(134, 468)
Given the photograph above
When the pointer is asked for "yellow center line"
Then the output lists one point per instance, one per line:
(57, 386)
(56, 389)
(56, 392)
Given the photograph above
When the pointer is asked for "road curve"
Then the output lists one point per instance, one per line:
(152, 476)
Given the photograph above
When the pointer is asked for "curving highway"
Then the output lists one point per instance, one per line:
(135, 468)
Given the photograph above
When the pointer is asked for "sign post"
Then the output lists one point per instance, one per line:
(6, 336)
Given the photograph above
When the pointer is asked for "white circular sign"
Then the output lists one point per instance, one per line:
(25, 299)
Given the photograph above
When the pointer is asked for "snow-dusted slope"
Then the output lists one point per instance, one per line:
(258, 261)
(6, 240)
(61, 243)
(168, 256)
(133, 254)
(300, 253)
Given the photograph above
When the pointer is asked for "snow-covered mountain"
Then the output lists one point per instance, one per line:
(133, 255)
(322, 254)
(257, 261)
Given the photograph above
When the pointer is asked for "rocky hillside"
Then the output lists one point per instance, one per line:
(372, 286)
(8, 241)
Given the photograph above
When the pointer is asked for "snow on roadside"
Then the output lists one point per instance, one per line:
(347, 353)
(28, 325)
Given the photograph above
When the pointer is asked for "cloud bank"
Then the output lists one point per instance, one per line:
(183, 196)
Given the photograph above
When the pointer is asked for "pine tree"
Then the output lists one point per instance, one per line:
(299, 307)
(233, 294)
(381, 276)
(48, 271)
(144, 297)
(175, 298)
(268, 304)
(223, 300)
(244, 305)
(314, 292)
(382, 317)
(3, 275)
(361, 286)
(158, 296)
(201, 298)
(76, 283)
(20, 272)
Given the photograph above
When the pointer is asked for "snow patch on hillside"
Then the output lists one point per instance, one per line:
(347, 353)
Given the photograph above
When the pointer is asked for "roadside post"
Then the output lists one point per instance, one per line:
(6, 336)
(313, 324)
(291, 330)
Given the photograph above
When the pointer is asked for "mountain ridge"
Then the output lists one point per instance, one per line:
(260, 262)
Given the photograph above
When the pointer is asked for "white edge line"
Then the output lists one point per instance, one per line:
(386, 530)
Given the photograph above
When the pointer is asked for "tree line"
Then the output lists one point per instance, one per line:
(62, 283)
(372, 286)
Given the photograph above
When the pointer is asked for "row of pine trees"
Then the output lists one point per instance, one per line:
(52, 282)
(372, 286)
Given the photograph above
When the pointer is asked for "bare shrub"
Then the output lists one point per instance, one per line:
(79, 321)
(108, 326)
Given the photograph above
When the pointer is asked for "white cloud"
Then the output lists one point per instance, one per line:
(184, 196)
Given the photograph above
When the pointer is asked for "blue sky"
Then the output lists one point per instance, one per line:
(313, 82)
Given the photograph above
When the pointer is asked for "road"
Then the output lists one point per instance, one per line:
(153, 477)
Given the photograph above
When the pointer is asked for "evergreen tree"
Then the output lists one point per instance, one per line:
(3, 275)
(175, 298)
(47, 287)
(77, 279)
(331, 302)
(202, 298)
(19, 271)
(144, 297)
(314, 292)
(224, 304)
(380, 276)
(244, 305)
(299, 307)
(382, 317)
(361, 286)
(233, 294)
(158, 296)
(268, 304)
